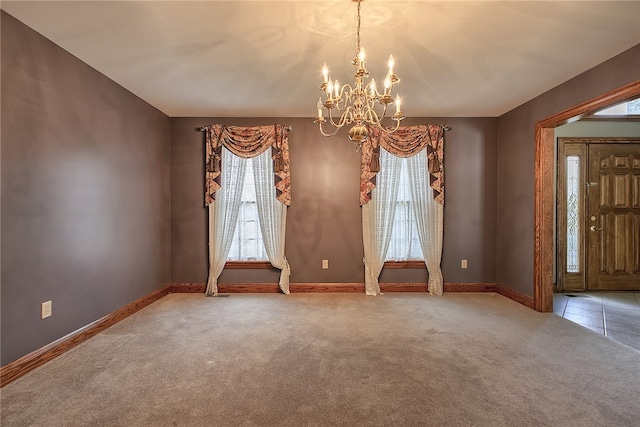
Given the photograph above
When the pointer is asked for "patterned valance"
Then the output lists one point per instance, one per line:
(248, 142)
(404, 142)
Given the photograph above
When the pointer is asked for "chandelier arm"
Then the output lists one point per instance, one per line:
(341, 105)
(350, 118)
(384, 112)
(373, 117)
(333, 123)
(328, 134)
(343, 118)
(344, 89)
(347, 116)
(371, 104)
(388, 131)
(378, 119)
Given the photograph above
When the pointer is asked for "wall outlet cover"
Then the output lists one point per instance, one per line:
(45, 309)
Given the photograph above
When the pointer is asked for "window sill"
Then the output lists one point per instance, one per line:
(405, 264)
(248, 264)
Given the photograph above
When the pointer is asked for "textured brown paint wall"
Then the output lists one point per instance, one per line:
(324, 220)
(516, 160)
(85, 193)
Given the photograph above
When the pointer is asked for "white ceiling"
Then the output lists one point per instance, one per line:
(264, 58)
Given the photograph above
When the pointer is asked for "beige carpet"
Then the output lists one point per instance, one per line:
(334, 360)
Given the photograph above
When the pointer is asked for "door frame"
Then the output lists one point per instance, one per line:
(544, 196)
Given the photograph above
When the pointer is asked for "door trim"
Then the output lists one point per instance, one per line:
(544, 206)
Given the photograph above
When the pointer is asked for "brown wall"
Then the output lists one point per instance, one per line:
(85, 193)
(324, 220)
(516, 137)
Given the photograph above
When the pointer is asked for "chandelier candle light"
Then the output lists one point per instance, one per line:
(356, 104)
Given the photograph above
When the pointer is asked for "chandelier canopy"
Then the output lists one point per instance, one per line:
(356, 104)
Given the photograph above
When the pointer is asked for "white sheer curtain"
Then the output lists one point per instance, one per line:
(272, 215)
(429, 218)
(377, 219)
(223, 216)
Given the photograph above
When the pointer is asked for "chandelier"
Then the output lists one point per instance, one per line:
(356, 104)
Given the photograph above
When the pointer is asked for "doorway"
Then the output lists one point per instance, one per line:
(598, 214)
(544, 206)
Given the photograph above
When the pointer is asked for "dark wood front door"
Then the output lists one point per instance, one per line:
(613, 217)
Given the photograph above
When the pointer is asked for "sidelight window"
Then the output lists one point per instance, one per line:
(573, 214)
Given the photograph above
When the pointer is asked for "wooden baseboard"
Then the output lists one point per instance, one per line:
(516, 296)
(187, 288)
(344, 287)
(402, 287)
(470, 287)
(352, 288)
(244, 288)
(14, 370)
(225, 288)
(328, 287)
(268, 288)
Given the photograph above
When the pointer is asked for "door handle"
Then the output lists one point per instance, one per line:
(594, 228)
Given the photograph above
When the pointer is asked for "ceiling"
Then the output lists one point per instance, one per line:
(264, 58)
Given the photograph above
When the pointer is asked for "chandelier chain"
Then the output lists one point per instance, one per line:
(358, 31)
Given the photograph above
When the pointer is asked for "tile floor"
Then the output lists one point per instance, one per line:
(613, 314)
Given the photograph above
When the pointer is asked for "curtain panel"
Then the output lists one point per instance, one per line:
(227, 151)
(223, 216)
(429, 220)
(423, 146)
(377, 222)
(248, 142)
(405, 142)
(272, 216)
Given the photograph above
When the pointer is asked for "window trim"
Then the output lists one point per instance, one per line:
(413, 263)
(248, 264)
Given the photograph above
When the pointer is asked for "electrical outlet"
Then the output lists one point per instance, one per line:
(45, 309)
(325, 264)
(463, 264)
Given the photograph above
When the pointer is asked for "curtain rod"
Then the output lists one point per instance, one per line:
(290, 128)
(203, 128)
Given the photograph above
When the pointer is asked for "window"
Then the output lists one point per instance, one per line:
(571, 209)
(405, 243)
(573, 214)
(247, 241)
(629, 108)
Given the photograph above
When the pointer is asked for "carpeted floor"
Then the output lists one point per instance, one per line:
(334, 360)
